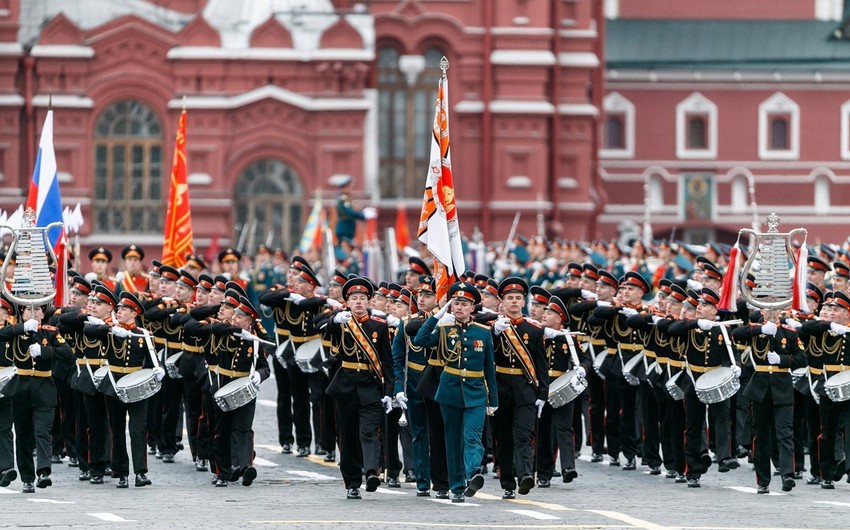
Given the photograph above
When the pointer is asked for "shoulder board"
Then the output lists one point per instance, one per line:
(533, 323)
(47, 328)
(379, 319)
(58, 311)
(787, 328)
(480, 325)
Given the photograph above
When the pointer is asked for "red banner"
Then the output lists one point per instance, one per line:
(178, 216)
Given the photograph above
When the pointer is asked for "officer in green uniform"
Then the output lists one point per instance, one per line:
(467, 389)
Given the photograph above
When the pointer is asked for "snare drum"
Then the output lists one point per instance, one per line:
(309, 356)
(171, 366)
(236, 393)
(6, 376)
(717, 385)
(837, 387)
(98, 375)
(137, 386)
(676, 390)
(278, 352)
(800, 379)
(566, 388)
(597, 362)
(634, 370)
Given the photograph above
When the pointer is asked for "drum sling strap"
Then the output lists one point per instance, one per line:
(367, 348)
(519, 350)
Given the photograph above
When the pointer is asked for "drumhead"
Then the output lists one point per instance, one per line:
(135, 378)
(7, 372)
(101, 372)
(172, 359)
(280, 348)
(714, 377)
(560, 382)
(633, 362)
(838, 380)
(309, 349)
(232, 386)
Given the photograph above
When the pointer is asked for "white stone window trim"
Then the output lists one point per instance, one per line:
(615, 103)
(696, 105)
(779, 104)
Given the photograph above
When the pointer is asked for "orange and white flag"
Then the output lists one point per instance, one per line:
(438, 223)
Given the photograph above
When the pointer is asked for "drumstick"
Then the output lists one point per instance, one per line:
(256, 338)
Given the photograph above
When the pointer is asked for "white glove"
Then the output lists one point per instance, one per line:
(491, 410)
(501, 324)
(550, 333)
(791, 323)
(370, 213)
(603, 303)
(838, 328)
(296, 298)
(245, 334)
(587, 294)
(342, 317)
(31, 325)
(628, 311)
(694, 285)
(402, 400)
(736, 370)
(768, 328)
(256, 378)
(539, 404)
(90, 276)
(335, 304)
(118, 331)
(393, 321)
(227, 275)
(443, 310)
(119, 277)
(35, 350)
(656, 318)
(96, 321)
(447, 320)
(378, 313)
(582, 371)
(159, 373)
(388, 403)
(705, 324)
(772, 357)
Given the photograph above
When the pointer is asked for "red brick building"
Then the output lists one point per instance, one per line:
(283, 95)
(728, 104)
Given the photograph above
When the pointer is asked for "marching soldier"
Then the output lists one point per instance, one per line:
(705, 350)
(133, 279)
(98, 310)
(523, 381)
(33, 348)
(7, 455)
(828, 356)
(126, 352)
(100, 258)
(559, 433)
(361, 385)
(775, 350)
(467, 389)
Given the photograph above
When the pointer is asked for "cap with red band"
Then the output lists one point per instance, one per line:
(513, 284)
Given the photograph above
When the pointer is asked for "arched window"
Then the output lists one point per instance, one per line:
(821, 194)
(407, 88)
(779, 132)
(740, 194)
(779, 128)
(128, 170)
(268, 203)
(696, 128)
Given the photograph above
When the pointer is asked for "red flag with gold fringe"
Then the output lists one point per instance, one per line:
(178, 216)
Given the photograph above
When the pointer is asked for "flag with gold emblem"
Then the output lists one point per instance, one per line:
(178, 216)
(438, 223)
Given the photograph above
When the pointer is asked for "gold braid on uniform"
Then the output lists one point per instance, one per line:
(699, 347)
(449, 355)
(822, 347)
(760, 353)
(677, 347)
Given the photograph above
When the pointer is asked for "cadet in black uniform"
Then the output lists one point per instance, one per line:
(775, 351)
(361, 385)
(33, 347)
(523, 380)
(126, 352)
(7, 453)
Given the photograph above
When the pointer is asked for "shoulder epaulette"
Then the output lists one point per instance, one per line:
(533, 322)
(379, 319)
(482, 326)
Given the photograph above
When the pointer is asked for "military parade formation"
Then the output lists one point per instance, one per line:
(638, 355)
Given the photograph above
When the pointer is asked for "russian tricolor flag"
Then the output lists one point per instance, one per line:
(45, 200)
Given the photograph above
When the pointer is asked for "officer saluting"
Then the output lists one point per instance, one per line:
(467, 384)
(523, 379)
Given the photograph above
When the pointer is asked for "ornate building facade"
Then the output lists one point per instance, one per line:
(282, 95)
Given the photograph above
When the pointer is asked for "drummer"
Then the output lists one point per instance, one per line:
(775, 350)
(705, 350)
(831, 338)
(559, 354)
(126, 352)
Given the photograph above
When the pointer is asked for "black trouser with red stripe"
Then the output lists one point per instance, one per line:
(118, 412)
(64, 436)
(359, 444)
(98, 429)
(596, 412)
(772, 422)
